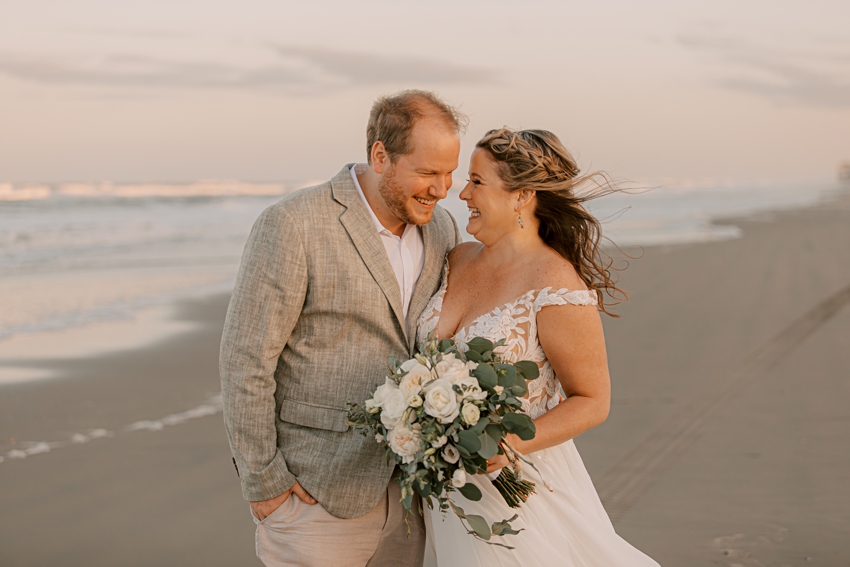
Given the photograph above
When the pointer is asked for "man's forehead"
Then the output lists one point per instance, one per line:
(433, 136)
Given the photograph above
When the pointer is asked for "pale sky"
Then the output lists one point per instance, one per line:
(275, 90)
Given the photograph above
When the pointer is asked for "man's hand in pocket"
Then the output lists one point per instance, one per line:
(263, 508)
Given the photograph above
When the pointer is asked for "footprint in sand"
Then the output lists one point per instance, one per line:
(747, 549)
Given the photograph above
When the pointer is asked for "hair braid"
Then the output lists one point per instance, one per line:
(537, 160)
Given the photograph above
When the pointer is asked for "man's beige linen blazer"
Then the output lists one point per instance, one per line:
(315, 312)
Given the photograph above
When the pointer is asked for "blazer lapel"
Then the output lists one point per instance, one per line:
(428, 279)
(358, 223)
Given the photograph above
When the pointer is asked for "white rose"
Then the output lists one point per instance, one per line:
(452, 368)
(450, 454)
(498, 389)
(394, 406)
(470, 413)
(414, 401)
(440, 401)
(405, 442)
(411, 383)
(459, 478)
(471, 388)
(381, 393)
(439, 442)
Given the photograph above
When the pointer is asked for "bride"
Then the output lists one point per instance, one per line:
(534, 278)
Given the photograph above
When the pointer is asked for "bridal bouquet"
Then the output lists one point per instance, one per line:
(441, 415)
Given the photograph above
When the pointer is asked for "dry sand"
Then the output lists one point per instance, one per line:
(726, 445)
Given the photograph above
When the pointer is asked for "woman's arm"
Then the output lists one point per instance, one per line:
(574, 343)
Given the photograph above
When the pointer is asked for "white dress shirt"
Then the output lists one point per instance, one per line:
(406, 253)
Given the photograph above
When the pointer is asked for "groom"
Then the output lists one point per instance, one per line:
(332, 281)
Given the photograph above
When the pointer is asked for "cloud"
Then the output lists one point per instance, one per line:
(295, 70)
(813, 78)
(368, 69)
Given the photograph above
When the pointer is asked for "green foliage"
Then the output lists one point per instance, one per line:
(528, 369)
(506, 375)
(479, 526)
(426, 473)
(489, 448)
(470, 492)
(486, 376)
(469, 441)
(480, 345)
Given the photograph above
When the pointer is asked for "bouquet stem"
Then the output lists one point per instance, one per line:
(514, 490)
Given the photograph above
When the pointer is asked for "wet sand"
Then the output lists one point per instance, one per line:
(726, 442)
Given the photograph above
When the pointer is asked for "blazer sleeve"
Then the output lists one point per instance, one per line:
(267, 300)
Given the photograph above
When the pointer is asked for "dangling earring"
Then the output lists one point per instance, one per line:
(519, 220)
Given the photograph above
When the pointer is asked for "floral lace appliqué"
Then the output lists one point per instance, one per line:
(516, 322)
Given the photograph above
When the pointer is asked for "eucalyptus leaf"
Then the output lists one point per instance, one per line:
(479, 526)
(470, 491)
(504, 527)
(526, 434)
(528, 369)
(469, 441)
(478, 428)
(507, 375)
(489, 448)
(494, 431)
(486, 376)
(516, 421)
(474, 356)
(520, 388)
(457, 510)
(423, 488)
(480, 345)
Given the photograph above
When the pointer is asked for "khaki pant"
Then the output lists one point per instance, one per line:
(301, 535)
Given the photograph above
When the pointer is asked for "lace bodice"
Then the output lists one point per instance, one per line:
(516, 322)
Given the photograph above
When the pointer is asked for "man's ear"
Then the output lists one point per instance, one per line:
(380, 157)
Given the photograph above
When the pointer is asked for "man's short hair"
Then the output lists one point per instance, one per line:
(393, 117)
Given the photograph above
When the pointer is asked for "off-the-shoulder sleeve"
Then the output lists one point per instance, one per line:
(564, 296)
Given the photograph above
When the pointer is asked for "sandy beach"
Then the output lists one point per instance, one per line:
(726, 443)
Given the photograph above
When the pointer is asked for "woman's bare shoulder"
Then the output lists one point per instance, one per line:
(461, 254)
(557, 272)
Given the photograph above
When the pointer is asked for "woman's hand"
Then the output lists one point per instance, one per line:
(500, 461)
(496, 463)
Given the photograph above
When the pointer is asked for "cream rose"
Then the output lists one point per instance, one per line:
(411, 383)
(416, 368)
(459, 478)
(439, 441)
(452, 368)
(441, 401)
(405, 441)
(414, 401)
(450, 454)
(470, 413)
(381, 393)
(394, 406)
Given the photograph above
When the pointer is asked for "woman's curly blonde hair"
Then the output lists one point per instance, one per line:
(536, 160)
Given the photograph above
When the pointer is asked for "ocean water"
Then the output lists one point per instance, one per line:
(72, 255)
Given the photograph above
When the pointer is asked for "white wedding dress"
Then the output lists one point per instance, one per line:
(567, 527)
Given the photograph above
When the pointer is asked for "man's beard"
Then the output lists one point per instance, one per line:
(395, 198)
